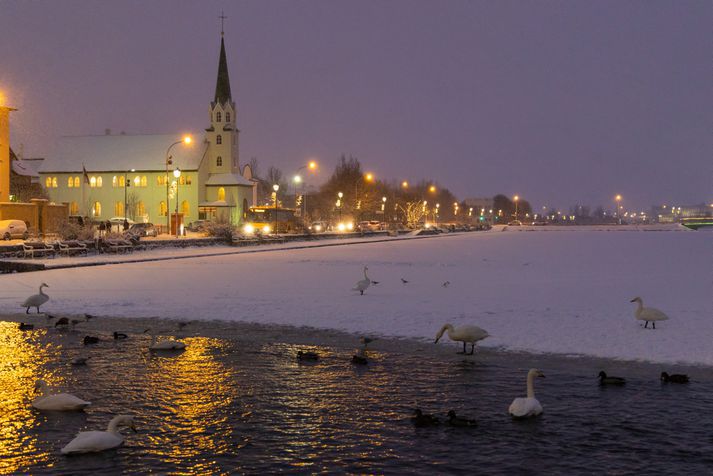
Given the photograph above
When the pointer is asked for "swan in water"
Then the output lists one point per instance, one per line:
(648, 313)
(62, 402)
(36, 300)
(93, 441)
(463, 334)
(363, 284)
(529, 406)
(167, 344)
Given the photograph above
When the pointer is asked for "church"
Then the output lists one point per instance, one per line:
(148, 178)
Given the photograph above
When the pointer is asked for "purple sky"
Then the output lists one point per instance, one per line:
(558, 101)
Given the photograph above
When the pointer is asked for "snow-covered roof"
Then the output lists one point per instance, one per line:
(228, 179)
(217, 203)
(109, 153)
(27, 167)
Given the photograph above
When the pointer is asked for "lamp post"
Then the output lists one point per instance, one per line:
(126, 184)
(177, 174)
(435, 214)
(311, 165)
(339, 205)
(276, 187)
(517, 199)
(169, 161)
(617, 199)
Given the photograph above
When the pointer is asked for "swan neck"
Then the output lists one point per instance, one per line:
(113, 425)
(365, 276)
(531, 386)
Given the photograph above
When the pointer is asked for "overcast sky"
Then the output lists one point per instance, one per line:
(558, 101)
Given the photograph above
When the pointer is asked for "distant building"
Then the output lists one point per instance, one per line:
(128, 175)
(675, 213)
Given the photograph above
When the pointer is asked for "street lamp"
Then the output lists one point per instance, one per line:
(435, 214)
(126, 184)
(276, 187)
(517, 199)
(432, 189)
(177, 174)
(311, 165)
(169, 161)
(618, 215)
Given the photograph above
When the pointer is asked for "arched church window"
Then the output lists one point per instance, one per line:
(140, 209)
(217, 117)
(48, 182)
(54, 182)
(99, 182)
(137, 181)
(114, 181)
(221, 193)
(76, 182)
(144, 181)
(163, 209)
(227, 117)
(93, 182)
(70, 182)
(97, 209)
(219, 161)
(218, 139)
(122, 181)
(74, 208)
(119, 209)
(182, 179)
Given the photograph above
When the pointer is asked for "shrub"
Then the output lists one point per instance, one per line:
(220, 228)
(74, 231)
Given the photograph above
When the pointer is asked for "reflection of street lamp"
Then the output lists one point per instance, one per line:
(126, 184)
(517, 199)
(186, 140)
(276, 188)
(618, 215)
(177, 174)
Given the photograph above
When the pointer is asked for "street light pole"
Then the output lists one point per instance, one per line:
(126, 184)
(177, 174)
(169, 161)
(276, 187)
(339, 205)
(618, 215)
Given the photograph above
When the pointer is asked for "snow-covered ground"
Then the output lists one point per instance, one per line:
(564, 292)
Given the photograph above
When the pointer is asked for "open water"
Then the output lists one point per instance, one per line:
(237, 402)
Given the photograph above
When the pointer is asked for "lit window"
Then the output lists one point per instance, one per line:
(185, 208)
(217, 117)
(137, 181)
(122, 181)
(76, 182)
(144, 181)
(188, 180)
(218, 139)
(140, 209)
(74, 208)
(114, 181)
(97, 209)
(70, 182)
(54, 182)
(163, 209)
(219, 161)
(119, 209)
(93, 181)
(221, 193)
(99, 181)
(159, 180)
(227, 117)
(182, 180)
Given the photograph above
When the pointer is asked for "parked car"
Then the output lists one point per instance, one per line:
(120, 221)
(143, 229)
(371, 225)
(515, 223)
(198, 225)
(13, 229)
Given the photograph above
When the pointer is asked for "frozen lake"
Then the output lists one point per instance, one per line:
(563, 292)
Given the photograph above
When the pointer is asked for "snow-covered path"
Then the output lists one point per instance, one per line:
(564, 292)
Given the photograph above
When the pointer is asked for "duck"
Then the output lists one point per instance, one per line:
(404, 281)
(359, 359)
(36, 300)
(167, 344)
(62, 322)
(307, 356)
(62, 402)
(604, 379)
(454, 420)
(648, 314)
(363, 284)
(529, 406)
(120, 335)
(674, 378)
(421, 419)
(90, 340)
(89, 316)
(365, 341)
(463, 334)
(446, 284)
(26, 327)
(95, 441)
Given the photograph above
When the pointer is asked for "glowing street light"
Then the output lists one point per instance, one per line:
(169, 161)
(617, 199)
(517, 199)
(404, 184)
(432, 189)
(177, 174)
(369, 177)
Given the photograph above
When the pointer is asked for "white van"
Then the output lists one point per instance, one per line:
(10, 229)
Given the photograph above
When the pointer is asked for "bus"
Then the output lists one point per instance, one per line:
(267, 219)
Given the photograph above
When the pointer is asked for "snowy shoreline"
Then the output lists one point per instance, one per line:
(543, 293)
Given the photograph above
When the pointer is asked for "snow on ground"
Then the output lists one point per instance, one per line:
(561, 292)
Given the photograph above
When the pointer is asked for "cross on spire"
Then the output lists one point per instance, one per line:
(222, 17)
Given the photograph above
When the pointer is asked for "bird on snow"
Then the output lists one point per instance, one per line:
(446, 284)
(363, 284)
(89, 316)
(94, 441)
(463, 334)
(404, 281)
(36, 300)
(90, 340)
(119, 335)
(648, 313)
(62, 322)
(674, 378)
(525, 407)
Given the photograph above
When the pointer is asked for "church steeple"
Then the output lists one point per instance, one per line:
(222, 86)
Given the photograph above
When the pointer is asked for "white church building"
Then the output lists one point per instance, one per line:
(138, 176)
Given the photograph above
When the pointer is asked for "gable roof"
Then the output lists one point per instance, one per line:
(104, 153)
(228, 179)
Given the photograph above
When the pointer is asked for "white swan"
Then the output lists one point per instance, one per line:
(167, 344)
(363, 284)
(93, 441)
(62, 402)
(36, 300)
(463, 334)
(529, 406)
(648, 313)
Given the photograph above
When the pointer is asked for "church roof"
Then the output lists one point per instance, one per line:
(105, 153)
(228, 179)
(222, 86)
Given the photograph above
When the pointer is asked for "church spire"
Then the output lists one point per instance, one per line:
(222, 86)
